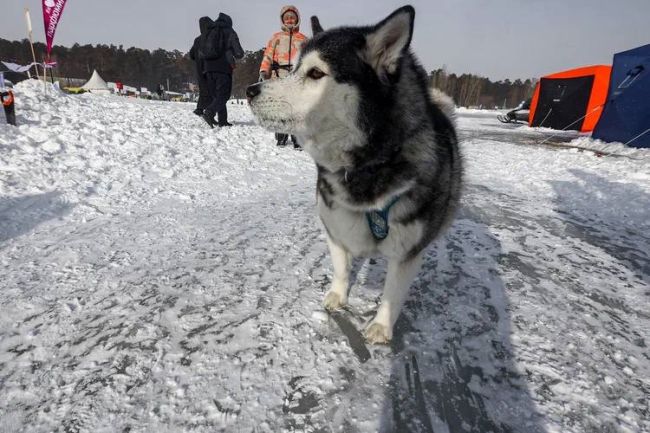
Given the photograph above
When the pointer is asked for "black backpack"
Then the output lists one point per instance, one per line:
(215, 43)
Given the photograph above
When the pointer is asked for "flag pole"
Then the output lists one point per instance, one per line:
(28, 19)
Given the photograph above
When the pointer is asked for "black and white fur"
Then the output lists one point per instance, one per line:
(359, 101)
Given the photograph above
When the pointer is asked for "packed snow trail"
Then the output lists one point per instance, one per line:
(161, 276)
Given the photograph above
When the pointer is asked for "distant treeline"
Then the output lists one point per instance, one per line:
(132, 66)
(474, 91)
(144, 68)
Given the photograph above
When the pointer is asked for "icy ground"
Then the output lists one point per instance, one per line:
(159, 276)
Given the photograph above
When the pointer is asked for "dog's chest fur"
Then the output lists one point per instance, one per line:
(342, 208)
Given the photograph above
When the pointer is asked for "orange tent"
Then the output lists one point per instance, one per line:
(571, 99)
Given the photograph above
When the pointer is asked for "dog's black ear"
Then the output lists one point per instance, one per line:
(315, 26)
(389, 40)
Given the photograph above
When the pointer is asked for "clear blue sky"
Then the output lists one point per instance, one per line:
(494, 38)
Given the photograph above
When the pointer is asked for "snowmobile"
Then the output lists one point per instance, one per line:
(519, 114)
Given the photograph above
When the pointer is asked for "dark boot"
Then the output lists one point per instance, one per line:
(209, 118)
(198, 111)
(282, 139)
(223, 117)
(296, 145)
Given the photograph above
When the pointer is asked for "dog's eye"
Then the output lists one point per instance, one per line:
(315, 74)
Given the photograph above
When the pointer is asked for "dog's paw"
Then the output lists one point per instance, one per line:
(377, 333)
(334, 301)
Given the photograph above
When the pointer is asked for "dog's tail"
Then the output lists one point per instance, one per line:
(444, 102)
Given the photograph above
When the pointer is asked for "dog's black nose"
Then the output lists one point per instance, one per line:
(253, 90)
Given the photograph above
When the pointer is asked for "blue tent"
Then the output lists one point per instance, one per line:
(626, 117)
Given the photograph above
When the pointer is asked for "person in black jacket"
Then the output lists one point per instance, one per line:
(204, 24)
(219, 69)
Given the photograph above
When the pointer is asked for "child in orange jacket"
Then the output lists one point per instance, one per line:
(283, 48)
(281, 52)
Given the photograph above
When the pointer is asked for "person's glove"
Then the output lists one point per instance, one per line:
(262, 76)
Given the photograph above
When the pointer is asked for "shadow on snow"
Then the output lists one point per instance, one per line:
(454, 370)
(20, 215)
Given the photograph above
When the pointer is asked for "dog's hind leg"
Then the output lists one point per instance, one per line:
(399, 277)
(337, 295)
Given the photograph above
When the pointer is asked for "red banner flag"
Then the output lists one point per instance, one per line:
(52, 10)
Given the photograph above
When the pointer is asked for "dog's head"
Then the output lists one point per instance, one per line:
(343, 75)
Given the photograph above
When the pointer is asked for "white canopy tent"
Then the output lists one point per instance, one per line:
(96, 84)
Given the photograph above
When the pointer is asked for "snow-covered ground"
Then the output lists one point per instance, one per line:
(159, 276)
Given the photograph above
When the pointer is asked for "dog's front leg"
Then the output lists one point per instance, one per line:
(337, 295)
(399, 277)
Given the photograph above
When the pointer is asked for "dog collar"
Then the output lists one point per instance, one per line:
(378, 220)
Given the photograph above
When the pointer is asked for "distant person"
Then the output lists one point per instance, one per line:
(280, 54)
(204, 25)
(160, 91)
(219, 47)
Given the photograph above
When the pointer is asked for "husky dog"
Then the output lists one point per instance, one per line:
(389, 169)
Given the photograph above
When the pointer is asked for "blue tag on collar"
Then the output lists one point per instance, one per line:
(378, 220)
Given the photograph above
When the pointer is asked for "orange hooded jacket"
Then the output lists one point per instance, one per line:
(283, 47)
